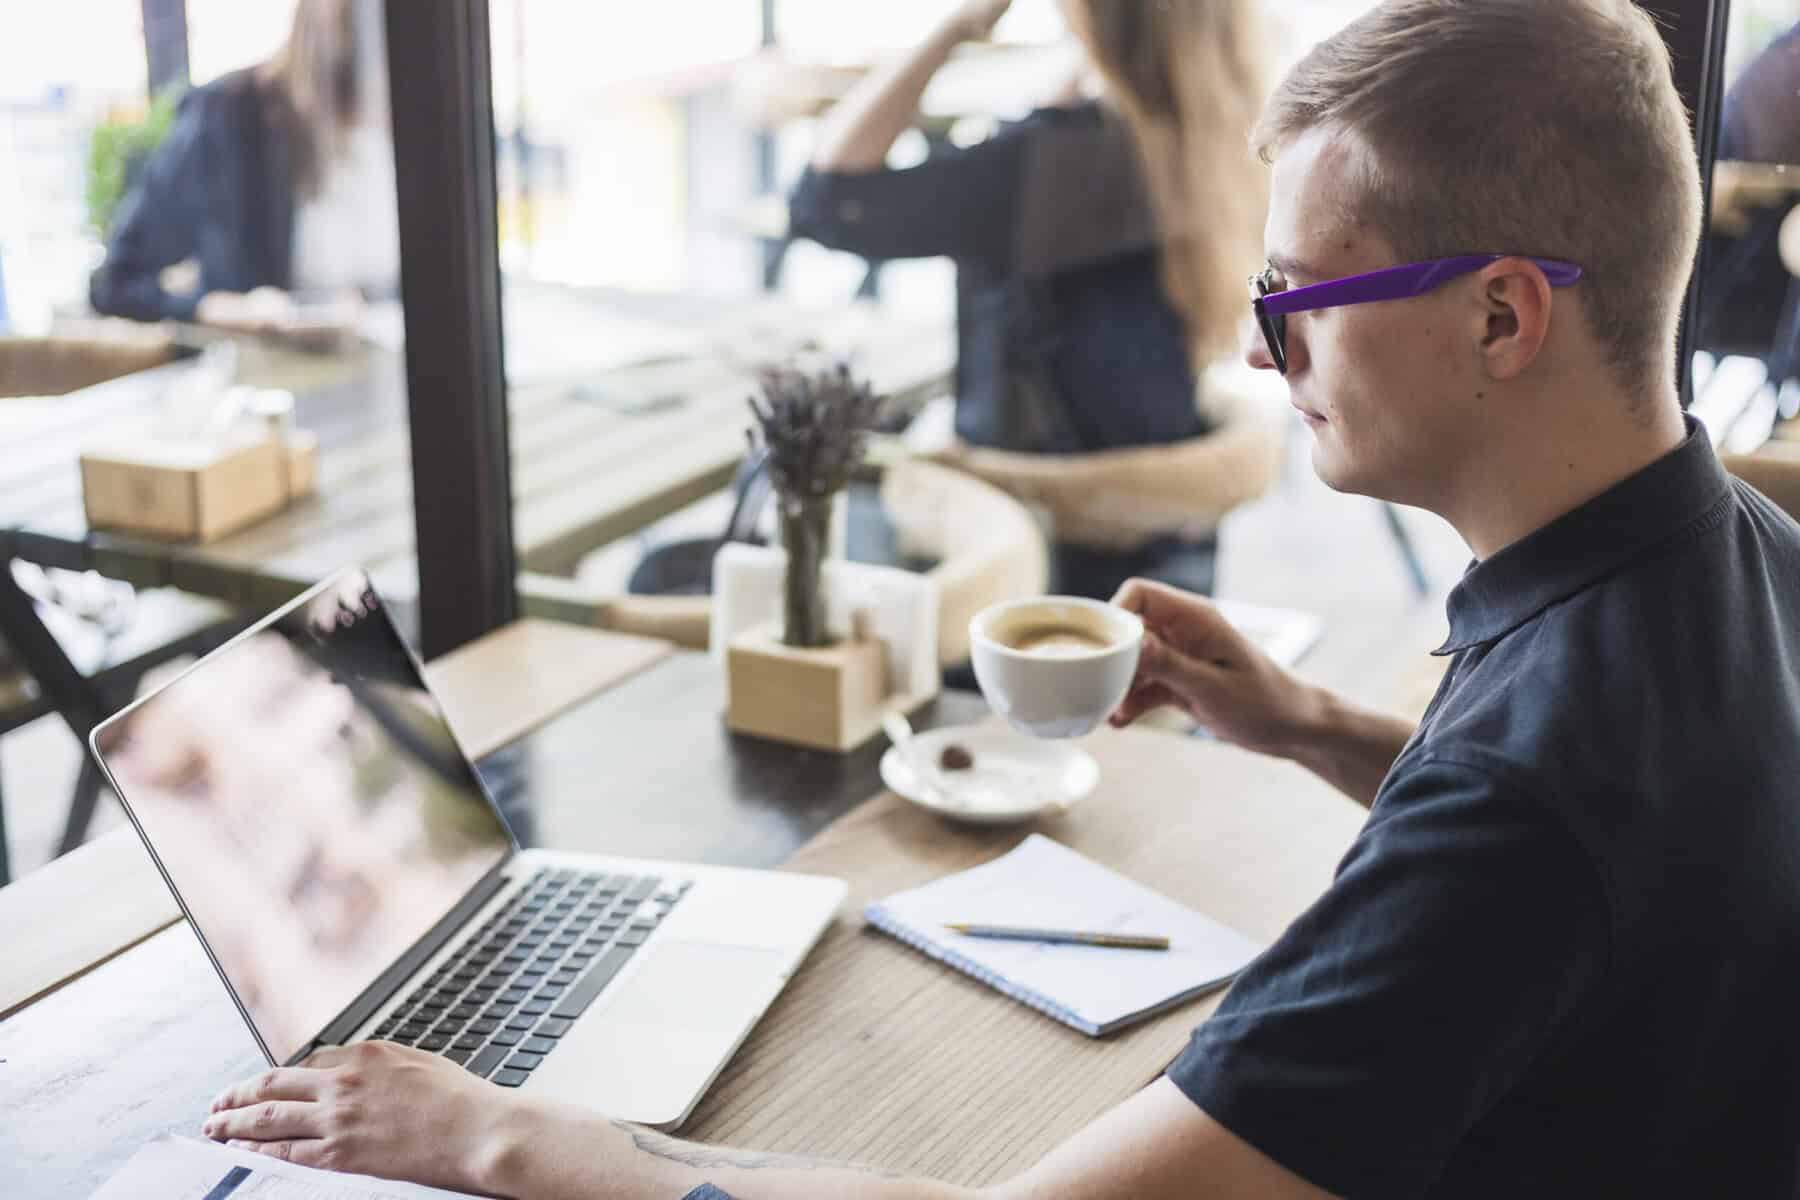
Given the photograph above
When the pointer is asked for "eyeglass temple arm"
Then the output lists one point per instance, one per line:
(1398, 283)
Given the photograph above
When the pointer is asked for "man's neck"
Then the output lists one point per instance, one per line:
(1518, 485)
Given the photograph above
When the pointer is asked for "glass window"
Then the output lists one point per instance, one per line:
(714, 188)
(199, 262)
(1746, 332)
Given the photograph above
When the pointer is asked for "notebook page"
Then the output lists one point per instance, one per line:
(179, 1168)
(1044, 884)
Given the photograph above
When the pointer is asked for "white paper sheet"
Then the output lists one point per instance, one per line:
(173, 1168)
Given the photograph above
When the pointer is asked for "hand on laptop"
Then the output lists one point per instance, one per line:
(374, 1109)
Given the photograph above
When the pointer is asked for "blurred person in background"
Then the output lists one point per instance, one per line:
(1099, 242)
(1761, 117)
(276, 184)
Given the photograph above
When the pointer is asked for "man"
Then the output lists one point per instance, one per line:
(1561, 956)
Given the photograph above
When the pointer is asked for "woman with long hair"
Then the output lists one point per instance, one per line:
(1100, 243)
(275, 182)
(1186, 76)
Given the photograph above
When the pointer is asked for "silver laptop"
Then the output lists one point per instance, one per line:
(350, 878)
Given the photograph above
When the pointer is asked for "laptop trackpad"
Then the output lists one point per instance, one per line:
(696, 987)
(648, 1047)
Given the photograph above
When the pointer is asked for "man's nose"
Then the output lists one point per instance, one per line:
(1255, 348)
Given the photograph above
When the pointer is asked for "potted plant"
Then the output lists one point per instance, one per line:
(815, 429)
(799, 684)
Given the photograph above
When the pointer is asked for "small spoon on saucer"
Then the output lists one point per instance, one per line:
(900, 733)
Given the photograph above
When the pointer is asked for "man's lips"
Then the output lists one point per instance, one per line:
(1308, 413)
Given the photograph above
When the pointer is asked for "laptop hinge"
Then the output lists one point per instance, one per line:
(403, 969)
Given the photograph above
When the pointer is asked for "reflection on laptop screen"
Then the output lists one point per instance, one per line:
(303, 792)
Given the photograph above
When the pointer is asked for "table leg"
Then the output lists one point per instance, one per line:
(1784, 356)
(81, 806)
(5, 855)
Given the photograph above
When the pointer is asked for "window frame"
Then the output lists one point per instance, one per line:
(450, 282)
(444, 160)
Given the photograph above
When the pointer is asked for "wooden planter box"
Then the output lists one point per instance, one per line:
(831, 698)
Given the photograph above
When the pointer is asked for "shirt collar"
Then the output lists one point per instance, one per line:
(1502, 592)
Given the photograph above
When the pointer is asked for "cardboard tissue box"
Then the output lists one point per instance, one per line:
(196, 487)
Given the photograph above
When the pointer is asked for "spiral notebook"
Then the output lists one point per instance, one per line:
(1043, 884)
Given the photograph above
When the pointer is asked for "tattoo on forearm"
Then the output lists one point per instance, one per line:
(708, 1158)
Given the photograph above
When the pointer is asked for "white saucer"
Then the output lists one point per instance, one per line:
(1015, 778)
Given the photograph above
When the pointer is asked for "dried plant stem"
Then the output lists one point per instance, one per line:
(816, 428)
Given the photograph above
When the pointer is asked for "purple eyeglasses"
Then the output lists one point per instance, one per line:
(1273, 301)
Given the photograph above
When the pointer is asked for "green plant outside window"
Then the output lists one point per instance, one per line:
(118, 149)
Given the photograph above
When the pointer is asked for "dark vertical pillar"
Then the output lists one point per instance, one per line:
(440, 78)
(772, 252)
(166, 44)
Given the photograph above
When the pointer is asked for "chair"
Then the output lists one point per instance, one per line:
(986, 545)
(1111, 512)
(167, 625)
(684, 568)
(982, 545)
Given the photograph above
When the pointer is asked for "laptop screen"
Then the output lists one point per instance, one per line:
(305, 797)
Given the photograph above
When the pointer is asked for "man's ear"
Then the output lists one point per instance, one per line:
(1516, 301)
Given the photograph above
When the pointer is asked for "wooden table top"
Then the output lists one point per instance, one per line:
(879, 1055)
(138, 1046)
(598, 452)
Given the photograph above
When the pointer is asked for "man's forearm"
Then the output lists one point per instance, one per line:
(861, 129)
(1350, 747)
(553, 1153)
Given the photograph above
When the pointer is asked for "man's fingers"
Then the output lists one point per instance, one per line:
(306, 1152)
(1159, 662)
(1143, 699)
(275, 1121)
(1167, 610)
(1132, 595)
(282, 1083)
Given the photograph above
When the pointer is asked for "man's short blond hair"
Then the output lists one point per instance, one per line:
(1545, 127)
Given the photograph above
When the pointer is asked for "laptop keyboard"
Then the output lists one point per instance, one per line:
(501, 1002)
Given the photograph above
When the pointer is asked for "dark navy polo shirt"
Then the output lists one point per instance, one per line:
(1563, 956)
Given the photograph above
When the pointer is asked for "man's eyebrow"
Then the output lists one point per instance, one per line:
(1293, 268)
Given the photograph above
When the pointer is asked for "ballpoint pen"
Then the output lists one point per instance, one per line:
(1121, 941)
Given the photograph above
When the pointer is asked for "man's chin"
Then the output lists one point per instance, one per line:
(1336, 473)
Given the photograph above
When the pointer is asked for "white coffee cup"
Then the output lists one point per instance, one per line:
(1054, 666)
